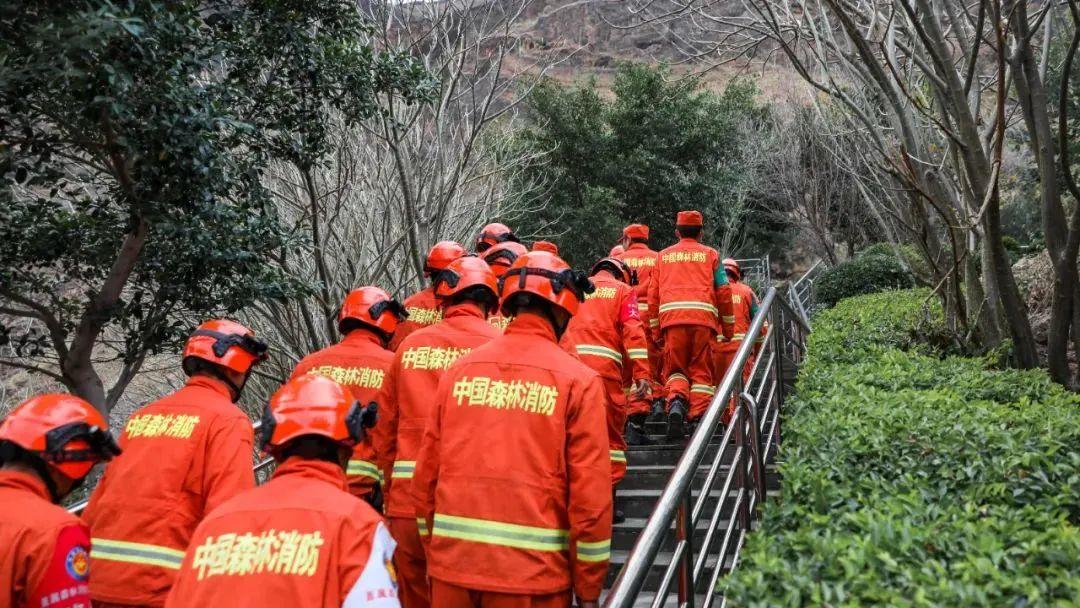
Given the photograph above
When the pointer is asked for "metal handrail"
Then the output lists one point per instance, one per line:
(261, 464)
(753, 434)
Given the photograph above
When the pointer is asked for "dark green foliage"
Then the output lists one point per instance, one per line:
(875, 269)
(661, 145)
(133, 141)
(917, 480)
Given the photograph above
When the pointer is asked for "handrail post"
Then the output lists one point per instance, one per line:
(778, 348)
(743, 449)
(684, 526)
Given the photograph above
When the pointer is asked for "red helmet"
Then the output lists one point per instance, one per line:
(373, 307)
(617, 250)
(493, 234)
(618, 269)
(441, 255)
(547, 246)
(314, 405)
(225, 343)
(732, 266)
(463, 273)
(502, 256)
(63, 430)
(547, 277)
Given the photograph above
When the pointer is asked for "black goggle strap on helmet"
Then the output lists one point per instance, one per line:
(360, 418)
(223, 342)
(574, 280)
(617, 267)
(447, 276)
(266, 428)
(393, 306)
(510, 257)
(102, 444)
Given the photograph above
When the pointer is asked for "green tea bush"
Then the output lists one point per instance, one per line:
(913, 478)
(878, 270)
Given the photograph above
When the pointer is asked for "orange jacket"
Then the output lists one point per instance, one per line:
(298, 540)
(359, 362)
(406, 402)
(423, 310)
(683, 289)
(643, 260)
(606, 326)
(183, 455)
(45, 549)
(514, 477)
(743, 303)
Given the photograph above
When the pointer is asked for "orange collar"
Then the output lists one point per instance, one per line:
(464, 309)
(362, 336)
(530, 324)
(320, 470)
(210, 383)
(637, 246)
(26, 482)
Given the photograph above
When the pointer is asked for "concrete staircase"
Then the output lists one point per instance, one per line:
(648, 470)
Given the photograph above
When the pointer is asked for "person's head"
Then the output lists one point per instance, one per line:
(689, 224)
(731, 268)
(492, 235)
(315, 418)
(547, 246)
(59, 438)
(616, 268)
(635, 233)
(502, 256)
(225, 350)
(542, 283)
(371, 309)
(440, 256)
(467, 279)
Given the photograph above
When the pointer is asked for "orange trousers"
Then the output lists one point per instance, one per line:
(725, 355)
(410, 563)
(688, 366)
(448, 595)
(616, 423)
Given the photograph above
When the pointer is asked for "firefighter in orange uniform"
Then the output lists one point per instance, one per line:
(422, 307)
(547, 246)
(492, 235)
(48, 445)
(642, 260)
(743, 303)
(513, 478)
(500, 258)
(184, 455)
(606, 326)
(683, 293)
(467, 292)
(360, 362)
(617, 251)
(300, 539)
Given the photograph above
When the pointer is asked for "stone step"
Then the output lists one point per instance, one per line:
(656, 572)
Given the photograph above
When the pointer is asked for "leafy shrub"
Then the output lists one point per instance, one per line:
(916, 479)
(875, 269)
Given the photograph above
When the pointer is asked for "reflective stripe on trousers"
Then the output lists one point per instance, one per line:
(136, 553)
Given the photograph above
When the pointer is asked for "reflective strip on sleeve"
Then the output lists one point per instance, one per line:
(643, 306)
(599, 351)
(618, 456)
(704, 306)
(403, 469)
(728, 318)
(136, 553)
(638, 353)
(421, 526)
(598, 551)
(703, 388)
(738, 336)
(363, 468)
(654, 322)
(502, 534)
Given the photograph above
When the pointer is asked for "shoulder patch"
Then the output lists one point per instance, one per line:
(77, 563)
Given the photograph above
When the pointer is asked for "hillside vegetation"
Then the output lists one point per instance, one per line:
(914, 479)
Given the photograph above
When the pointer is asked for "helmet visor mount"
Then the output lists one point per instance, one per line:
(393, 306)
(102, 444)
(223, 342)
(574, 280)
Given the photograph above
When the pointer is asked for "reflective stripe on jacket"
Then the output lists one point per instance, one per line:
(184, 455)
(298, 540)
(423, 310)
(407, 401)
(606, 325)
(683, 289)
(359, 362)
(514, 473)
